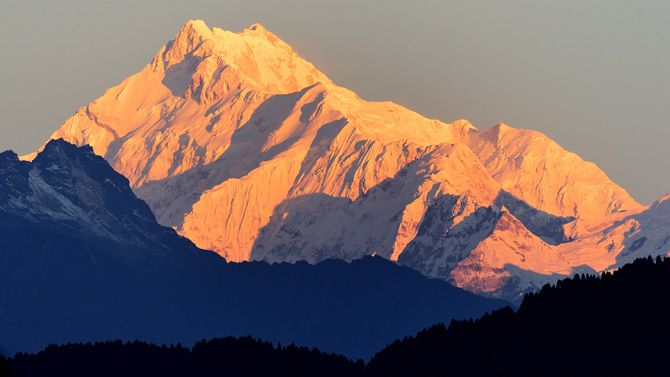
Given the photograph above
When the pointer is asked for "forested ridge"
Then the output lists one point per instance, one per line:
(609, 325)
(228, 356)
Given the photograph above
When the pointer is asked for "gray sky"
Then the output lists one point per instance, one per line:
(592, 75)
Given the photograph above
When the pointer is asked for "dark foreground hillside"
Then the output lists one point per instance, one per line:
(612, 325)
(218, 357)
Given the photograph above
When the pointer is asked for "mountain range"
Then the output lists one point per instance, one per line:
(246, 149)
(83, 259)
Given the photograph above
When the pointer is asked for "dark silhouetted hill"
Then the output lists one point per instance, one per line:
(610, 325)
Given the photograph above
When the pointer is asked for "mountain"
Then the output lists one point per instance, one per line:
(535, 169)
(246, 149)
(83, 259)
(74, 192)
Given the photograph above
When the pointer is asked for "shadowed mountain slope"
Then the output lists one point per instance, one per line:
(83, 259)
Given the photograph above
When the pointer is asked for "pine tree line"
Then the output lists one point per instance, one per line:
(614, 324)
(217, 357)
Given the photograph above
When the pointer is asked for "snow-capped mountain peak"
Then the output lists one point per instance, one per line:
(257, 57)
(247, 149)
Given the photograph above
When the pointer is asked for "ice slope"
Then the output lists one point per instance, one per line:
(533, 168)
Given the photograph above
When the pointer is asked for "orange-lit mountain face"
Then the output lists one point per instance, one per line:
(248, 150)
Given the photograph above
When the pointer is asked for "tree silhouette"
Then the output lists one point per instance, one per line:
(218, 357)
(612, 324)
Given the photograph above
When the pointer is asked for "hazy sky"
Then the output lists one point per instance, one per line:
(592, 75)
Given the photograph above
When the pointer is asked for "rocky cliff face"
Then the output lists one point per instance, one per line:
(245, 148)
(75, 192)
